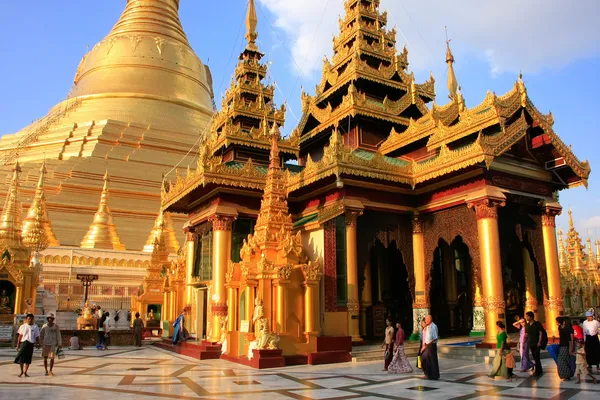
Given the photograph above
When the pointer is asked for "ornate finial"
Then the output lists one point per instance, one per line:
(10, 222)
(37, 230)
(103, 233)
(571, 225)
(275, 134)
(452, 83)
(163, 230)
(251, 22)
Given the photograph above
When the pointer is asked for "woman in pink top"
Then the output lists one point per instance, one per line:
(399, 364)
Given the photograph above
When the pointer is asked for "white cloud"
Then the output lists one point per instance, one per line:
(511, 36)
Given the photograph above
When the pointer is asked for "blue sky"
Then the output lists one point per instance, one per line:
(556, 47)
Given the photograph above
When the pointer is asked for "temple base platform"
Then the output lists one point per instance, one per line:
(329, 350)
(200, 350)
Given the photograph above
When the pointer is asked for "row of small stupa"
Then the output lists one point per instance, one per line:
(36, 233)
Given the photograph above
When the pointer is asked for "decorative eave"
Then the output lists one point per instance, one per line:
(253, 110)
(255, 137)
(354, 103)
(360, 10)
(255, 88)
(358, 27)
(214, 171)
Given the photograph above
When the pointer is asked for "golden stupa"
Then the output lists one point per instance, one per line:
(140, 100)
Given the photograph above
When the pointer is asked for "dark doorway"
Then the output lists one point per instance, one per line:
(451, 297)
(389, 283)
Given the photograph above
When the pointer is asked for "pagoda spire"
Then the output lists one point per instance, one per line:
(10, 221)
(452, 82)
(571, 224)
(273, 216)
(597, 244)
(37, 229)
(251, 23)
(103, 233)
(591, 259)
(562, 259)
(163, 230)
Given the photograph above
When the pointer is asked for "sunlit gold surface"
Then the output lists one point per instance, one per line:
(221, 252)
(37, 229)
(554, 306)
(352, 275)
(530, 287)
(163, 226)
(140, 100)
(102, 234)
(10, 222)
(491, 267)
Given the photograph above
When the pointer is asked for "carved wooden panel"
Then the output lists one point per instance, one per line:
(447, 225)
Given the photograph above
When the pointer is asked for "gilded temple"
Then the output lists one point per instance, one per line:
(381, 202)
(393, 198)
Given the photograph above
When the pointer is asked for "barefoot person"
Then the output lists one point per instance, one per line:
(591, 329)
(399, 364)
(429, 357)
(499, 367)
(51, 340)
(388, 342)
(29, 334)
(526, 363)
(581, 364)
(565, 350)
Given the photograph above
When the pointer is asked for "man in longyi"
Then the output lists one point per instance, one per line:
(429, 357)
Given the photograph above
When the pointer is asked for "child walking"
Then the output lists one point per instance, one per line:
(581, 364)
(510, 364)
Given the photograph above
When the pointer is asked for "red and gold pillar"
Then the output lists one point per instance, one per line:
(421, 300)
(221, 250)
(491, 268)
(352, 275)
(554, 305)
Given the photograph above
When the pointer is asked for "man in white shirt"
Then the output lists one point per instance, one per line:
(592, 344)
(29, 334)
(429, 358)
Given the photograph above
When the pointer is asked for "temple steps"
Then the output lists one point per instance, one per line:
(200, 350)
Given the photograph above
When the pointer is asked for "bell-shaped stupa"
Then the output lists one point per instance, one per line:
(141, 97)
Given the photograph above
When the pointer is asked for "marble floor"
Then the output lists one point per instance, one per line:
(151, 373)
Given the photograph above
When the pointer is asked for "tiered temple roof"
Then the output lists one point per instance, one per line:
(369, 121)
(240, 130)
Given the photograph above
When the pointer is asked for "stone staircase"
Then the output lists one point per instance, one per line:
(200, 350)
(375, 352)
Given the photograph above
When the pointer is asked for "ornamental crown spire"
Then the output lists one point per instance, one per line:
(452, 82)
(163, 230)
(103, 233)
(251, 23)
(37, 229)
(10, 221)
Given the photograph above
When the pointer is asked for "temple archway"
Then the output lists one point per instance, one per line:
(451, 296)
(390, 287)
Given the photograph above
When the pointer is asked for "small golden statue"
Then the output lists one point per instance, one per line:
(87, 311)
(264, 339)
(151, 316)
(5, 303)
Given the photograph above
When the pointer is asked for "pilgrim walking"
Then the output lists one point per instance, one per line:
(29, 334)
(399, 364)
(388, 343)
(429, 357)
(592, 344)
(51, 342)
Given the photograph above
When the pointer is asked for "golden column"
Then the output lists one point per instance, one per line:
(190, 251)
(491, 268)
(312, 275)
(421, 300)
(166, 312)
(352, 275)
(554, 305)
(280, 282)
(233, 302)
(531, 303)
(221, 251)
(19, 299)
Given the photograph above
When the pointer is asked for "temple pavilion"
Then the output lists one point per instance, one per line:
(397, 206)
